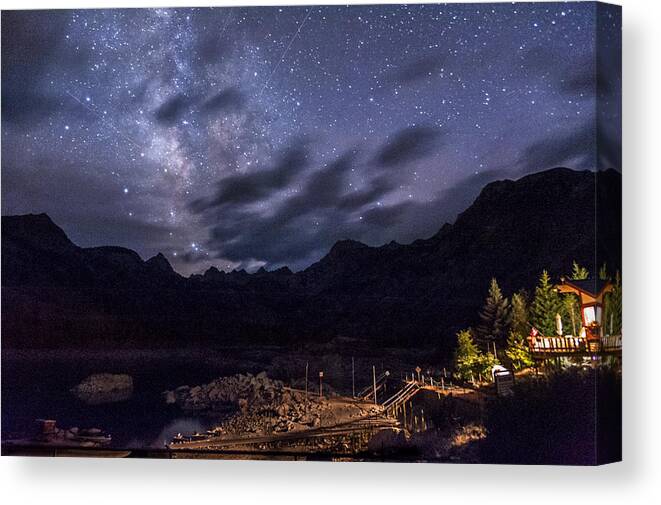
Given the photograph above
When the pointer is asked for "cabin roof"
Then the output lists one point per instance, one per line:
(593, 287)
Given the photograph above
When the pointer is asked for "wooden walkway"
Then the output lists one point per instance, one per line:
(413, 387)
(367, 423)
(386, 420)
(380, 382)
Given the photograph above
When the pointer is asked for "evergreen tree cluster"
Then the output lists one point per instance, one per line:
(470, 364)
(518, 352)
(495, 317)
(546, 304)
(507, 324)
(613, 308)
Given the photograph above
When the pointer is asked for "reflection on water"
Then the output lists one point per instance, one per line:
(37, 385)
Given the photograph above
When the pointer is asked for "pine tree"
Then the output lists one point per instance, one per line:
(572, 312)
(518, 351)
(571, 302)
(520, 314)
(545, 306)
(495, 316)
(485, 363)
(466, 356)
(613, 308)
(469, 362)
(578, 272)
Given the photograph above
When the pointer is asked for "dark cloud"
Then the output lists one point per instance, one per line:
(254, 186)
(28, 54)
(386, 217)
(25, 105)
(378, 188)
(609, 147)
(293, 240)
(230, 98)
(557, 150)
(609, 64)
(590, 73)
(305, 225)
(417, 70)
(322, 190)
(609, 51)
(587, 147)
(593, 77)
(324, 186)
(82, 202)
(409, 144)
(213, 44)
(193, 257)
(587, 81)
(580, 75)
(172, 109)
(212, 49)
(93, 102)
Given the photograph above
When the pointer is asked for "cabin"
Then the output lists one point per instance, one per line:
(595, 336)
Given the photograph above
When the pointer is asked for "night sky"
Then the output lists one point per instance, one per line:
(250, 137)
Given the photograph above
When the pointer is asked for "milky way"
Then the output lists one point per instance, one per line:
(246, 137)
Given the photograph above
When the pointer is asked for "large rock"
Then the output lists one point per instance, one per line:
(104, 388)
(239, 390)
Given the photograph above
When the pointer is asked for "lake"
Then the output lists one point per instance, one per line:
(36, 384)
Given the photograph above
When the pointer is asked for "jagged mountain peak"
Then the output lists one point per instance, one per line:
(344, 245)
(37, 229)
(395, 294)
(160, 263)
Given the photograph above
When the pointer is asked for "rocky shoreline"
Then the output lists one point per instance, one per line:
(262, 405)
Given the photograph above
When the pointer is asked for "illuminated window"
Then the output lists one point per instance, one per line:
(588, 315)
(592, 314)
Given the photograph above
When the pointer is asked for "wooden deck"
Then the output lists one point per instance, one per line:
(545, 347)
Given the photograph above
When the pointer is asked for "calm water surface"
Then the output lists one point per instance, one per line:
(35, 384)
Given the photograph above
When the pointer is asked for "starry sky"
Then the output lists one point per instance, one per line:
(249, 137)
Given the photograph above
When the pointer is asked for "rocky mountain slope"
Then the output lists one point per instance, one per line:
(56, 294)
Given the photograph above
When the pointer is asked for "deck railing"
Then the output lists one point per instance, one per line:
(574, 345)
(611, 343)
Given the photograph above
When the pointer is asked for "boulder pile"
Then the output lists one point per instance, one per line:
(262, 405)
(235, 389)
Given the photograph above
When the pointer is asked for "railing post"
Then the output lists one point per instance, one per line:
(374, 382)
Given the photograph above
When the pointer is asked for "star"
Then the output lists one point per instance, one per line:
(292, 109)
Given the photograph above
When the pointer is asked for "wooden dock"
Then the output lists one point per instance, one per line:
(369, 424)
(386, 420)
